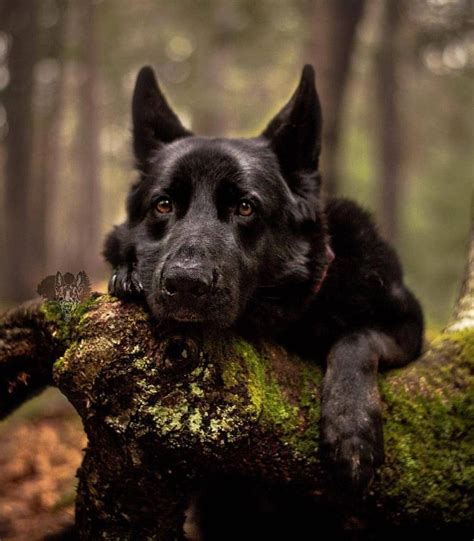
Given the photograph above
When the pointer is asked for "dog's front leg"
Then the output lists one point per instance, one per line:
(351, 422)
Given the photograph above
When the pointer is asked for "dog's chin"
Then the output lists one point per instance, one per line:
(182, 314)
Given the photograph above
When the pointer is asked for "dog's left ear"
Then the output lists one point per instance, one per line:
(295, 132)
(154, 122)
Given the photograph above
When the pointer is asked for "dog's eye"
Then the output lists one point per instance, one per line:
(245, 208)
(163, 205)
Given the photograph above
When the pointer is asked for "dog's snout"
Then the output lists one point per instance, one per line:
(186, 281)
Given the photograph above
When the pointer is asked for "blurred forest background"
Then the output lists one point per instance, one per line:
(395, 77)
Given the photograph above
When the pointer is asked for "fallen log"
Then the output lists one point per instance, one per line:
(164, 411)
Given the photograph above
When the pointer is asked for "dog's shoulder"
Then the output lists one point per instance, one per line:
(363, 286)
(357, 243)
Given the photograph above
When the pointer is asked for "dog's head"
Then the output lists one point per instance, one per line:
(219, 227)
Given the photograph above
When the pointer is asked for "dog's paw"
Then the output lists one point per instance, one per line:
(351, 444)
(125, 284)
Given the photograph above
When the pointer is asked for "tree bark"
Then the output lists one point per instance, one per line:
(166, 410)
(30, 341)
(332, 43)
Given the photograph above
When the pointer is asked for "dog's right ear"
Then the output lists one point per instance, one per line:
(295, 132)
(154, 122)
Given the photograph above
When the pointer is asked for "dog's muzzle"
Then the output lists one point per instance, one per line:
(186, 290)
(186, 281)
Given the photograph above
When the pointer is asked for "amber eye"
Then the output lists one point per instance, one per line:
(163, 205)
(245, 208)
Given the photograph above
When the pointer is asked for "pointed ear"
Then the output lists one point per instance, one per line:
(154, 122)
(295, 132)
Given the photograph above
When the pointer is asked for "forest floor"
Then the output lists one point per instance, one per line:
(40, 451)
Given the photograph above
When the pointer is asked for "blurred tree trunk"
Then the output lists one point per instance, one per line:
(19, 21)
(463, 315)
(334, 29)
(47, 134)
(388, 132)
(88, 146)
(209, 117)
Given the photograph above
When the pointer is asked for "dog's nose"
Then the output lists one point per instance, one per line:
(186, 281)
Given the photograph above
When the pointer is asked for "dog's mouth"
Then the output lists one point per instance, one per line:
(181, 307)
(218, 309)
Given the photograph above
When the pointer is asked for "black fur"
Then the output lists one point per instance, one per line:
(270, 271)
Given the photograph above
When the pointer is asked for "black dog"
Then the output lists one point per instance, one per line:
(233, 232)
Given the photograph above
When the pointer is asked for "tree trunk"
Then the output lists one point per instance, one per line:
(88, 141)
(19, 22)
(332, 43)
(47, 135)
(166, 411)
(209, 117)
(463, 314)
(388, 121)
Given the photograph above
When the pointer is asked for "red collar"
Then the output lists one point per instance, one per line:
(329, 259)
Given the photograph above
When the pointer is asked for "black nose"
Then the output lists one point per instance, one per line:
(186, 281)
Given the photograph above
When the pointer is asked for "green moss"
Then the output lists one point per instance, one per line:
(61, 327)
(465, 341)
(278, 410)
(66, 325)
(234, 372)
(429, 440)
(310, 402)
(195, 421)
(85, 306)
(142, 363)
(78, 356)
(59, 363)
(169, 419)
(196, 390)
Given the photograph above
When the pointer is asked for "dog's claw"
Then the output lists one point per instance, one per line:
(135, 281)
(124, 283)
(112, 282)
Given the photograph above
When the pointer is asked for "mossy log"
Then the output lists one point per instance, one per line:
(166, 410)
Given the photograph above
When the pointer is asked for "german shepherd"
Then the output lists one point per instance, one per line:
(233, 232)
